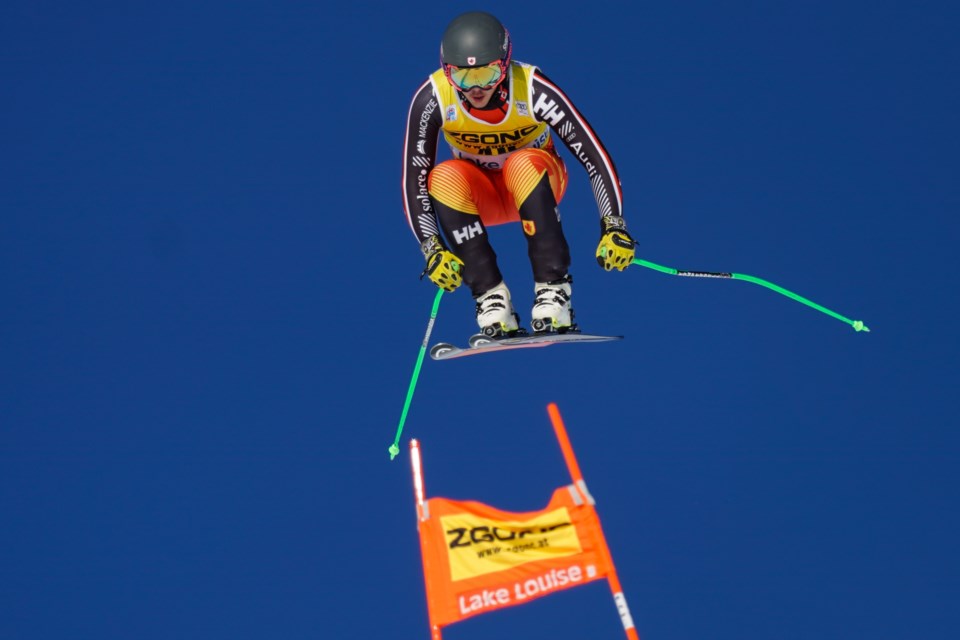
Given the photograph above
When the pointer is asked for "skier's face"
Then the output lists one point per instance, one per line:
(478, 97)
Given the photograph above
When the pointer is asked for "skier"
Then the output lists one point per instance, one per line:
(499, 117)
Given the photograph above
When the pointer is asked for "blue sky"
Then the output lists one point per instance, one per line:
(211, 314)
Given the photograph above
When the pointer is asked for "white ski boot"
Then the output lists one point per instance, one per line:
(495, 313)
(551, 307)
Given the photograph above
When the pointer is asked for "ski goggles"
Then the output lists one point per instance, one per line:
(464, 78)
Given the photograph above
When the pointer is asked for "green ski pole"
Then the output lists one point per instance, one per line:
(395, 448)
(856, 324)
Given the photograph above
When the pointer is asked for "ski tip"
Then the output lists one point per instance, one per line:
(438, 350)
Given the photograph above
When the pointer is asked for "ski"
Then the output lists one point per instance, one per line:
(480, 343)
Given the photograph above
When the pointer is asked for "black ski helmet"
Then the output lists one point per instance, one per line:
(475, 39)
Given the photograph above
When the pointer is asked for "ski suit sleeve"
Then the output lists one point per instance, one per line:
(551, 104)
(424, 122)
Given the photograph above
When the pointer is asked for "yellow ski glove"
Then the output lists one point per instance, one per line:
(616, 248)
(443, 268)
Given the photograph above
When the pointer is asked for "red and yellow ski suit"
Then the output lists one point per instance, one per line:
(504, 168)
